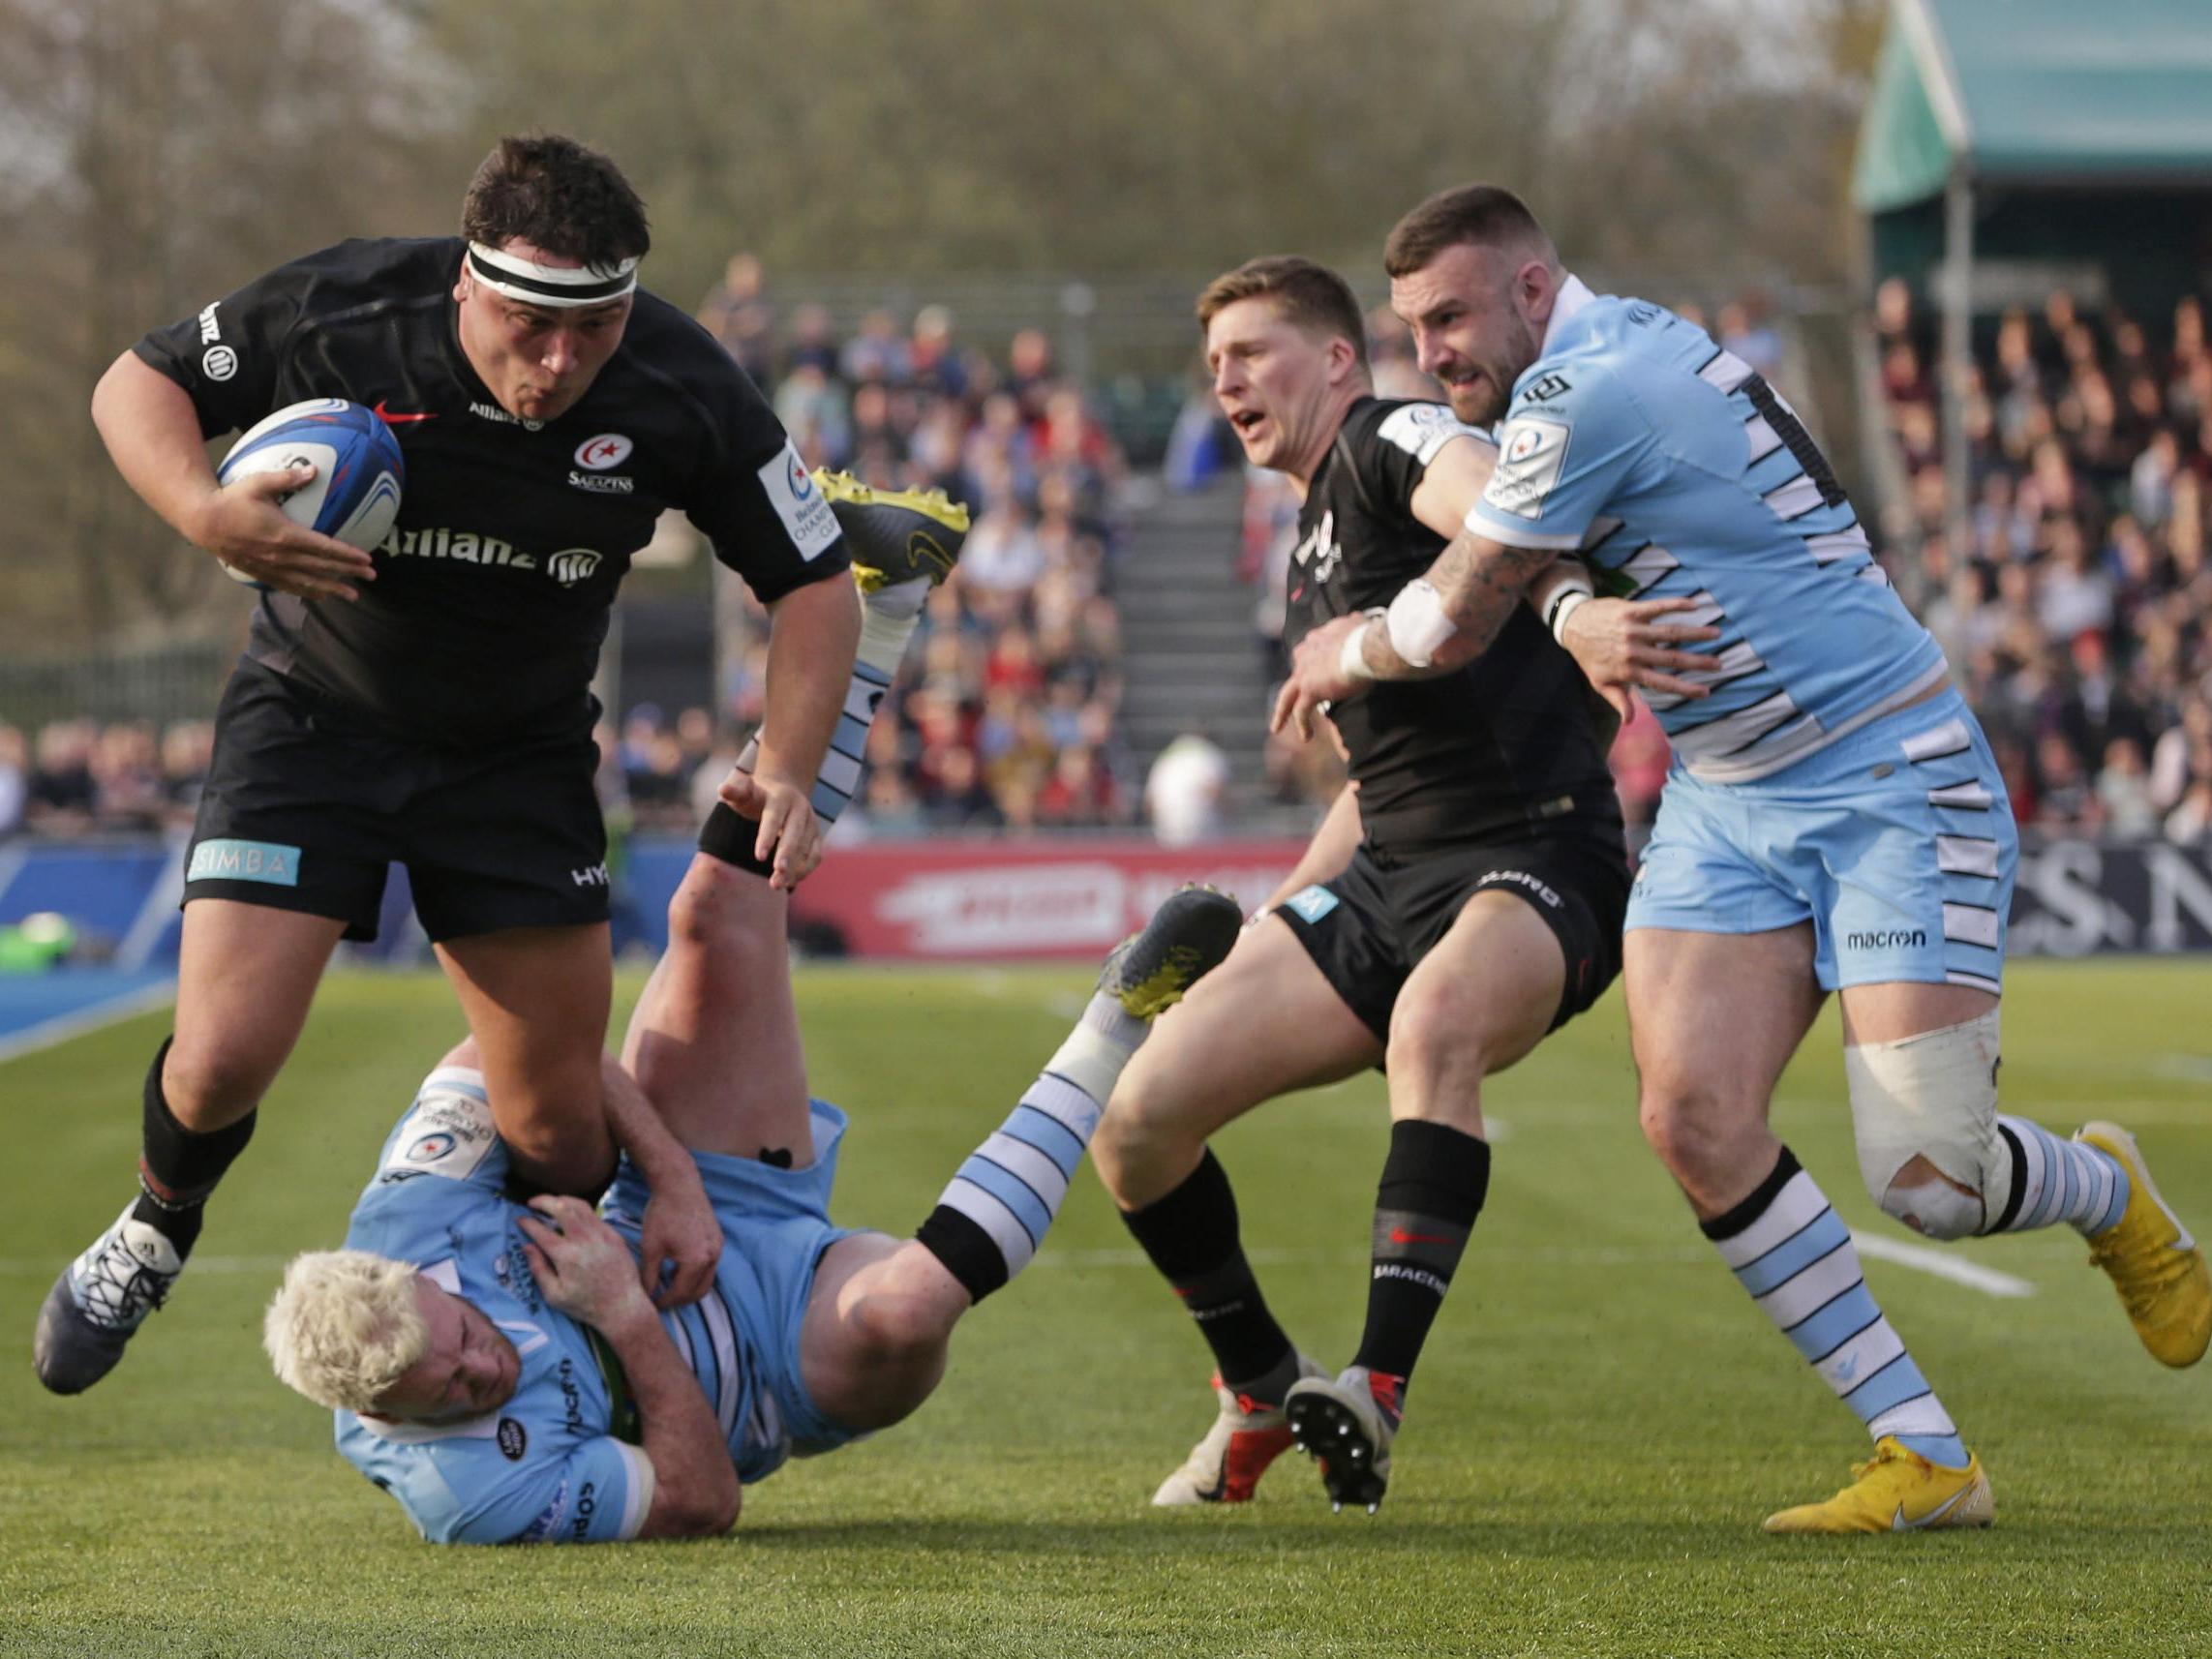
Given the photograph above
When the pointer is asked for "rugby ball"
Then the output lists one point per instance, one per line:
(354, 494)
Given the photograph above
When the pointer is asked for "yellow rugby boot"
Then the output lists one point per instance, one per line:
(1189, 936)
(894, 535)
(2154, 1263)
(1896, 1490)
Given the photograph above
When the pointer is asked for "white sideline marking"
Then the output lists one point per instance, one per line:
(48, 1032)
(1975, 1277)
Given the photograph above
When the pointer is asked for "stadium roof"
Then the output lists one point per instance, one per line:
(2051, 92)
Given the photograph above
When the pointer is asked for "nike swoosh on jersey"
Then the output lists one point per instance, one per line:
(390, 419)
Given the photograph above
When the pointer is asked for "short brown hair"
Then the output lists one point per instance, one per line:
(1312, 297)
(1481, 213)
(558, 196)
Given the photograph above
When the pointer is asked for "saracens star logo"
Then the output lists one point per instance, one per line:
(608, 449)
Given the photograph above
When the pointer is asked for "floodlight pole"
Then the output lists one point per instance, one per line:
(1957, 287)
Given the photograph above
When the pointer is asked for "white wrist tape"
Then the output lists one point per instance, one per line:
(1564, 607)
(1418, 626)
(1351, 658)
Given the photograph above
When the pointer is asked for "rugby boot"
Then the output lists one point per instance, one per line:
(2154, 1263)
(99, 1300)
(894, 536)
(1188, 937)
(1896, 1490)
(1225, 1467)
(1347, 1426)
(902, 543)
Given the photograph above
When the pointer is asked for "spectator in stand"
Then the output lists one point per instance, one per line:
(736, 311)
(14, 780)
(2123, 792)
(1640, 758)
(62, 793)
(126, 779)
(187, 750)
(1186, 791)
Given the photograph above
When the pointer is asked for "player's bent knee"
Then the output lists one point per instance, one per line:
(728, 914)
(218, 1081)
(1924, 1111)
(899, 1331)
(1436, 1038)
(1148, 1116)
(1696, 1131)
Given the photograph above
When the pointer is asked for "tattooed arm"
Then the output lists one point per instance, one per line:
(1476, 581)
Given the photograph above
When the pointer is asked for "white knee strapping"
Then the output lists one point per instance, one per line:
(1933, 1095)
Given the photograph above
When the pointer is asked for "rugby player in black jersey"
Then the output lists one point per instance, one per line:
(1462, 898)
(430, 704)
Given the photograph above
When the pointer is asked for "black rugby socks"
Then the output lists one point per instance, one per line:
(1190, 1236)
(1433, 1182)
(177, 1169)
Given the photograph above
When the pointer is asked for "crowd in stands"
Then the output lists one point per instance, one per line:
(1006, 715)
(2074, 605)
(79, 778)
(2073, 609)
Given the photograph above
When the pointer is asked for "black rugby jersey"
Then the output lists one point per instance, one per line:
(493, 591)
(1511, 742)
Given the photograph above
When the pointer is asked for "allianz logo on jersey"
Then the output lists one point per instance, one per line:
(569, 567)
(493, 412)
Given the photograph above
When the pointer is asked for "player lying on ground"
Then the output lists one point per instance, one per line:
(727, 925)
(1462, 898)
(431, 705)
(500, 1369)
(1833, 822)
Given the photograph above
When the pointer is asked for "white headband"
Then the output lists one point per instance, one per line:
(551, 285)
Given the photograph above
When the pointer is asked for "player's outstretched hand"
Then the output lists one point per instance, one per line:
(679, 1243)
(790, 834)
(1616, 644)
(580, 1263)
(243, 526)
(1316, 678)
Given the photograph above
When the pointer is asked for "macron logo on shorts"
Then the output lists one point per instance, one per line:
(1312, 903)
(223, 859)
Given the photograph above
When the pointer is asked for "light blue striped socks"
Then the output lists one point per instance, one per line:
(994, 1215)
(2057, 1181)
(1793, 1253)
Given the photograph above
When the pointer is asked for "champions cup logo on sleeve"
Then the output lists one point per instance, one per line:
(448, 1134)
(813, 527)
(1531, 453)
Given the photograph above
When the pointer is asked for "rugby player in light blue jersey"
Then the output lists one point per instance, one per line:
(506, 1371)
(1833, 822)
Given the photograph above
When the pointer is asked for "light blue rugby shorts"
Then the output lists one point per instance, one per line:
(1896, 843)
(776, 1226)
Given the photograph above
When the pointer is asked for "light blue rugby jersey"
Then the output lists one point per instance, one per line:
(1673, 467)
(547, 1467)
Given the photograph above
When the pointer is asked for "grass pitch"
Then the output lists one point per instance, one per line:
(1595, 1431)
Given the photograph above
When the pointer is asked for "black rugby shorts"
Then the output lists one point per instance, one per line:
(304, 809)
(1369, 928)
